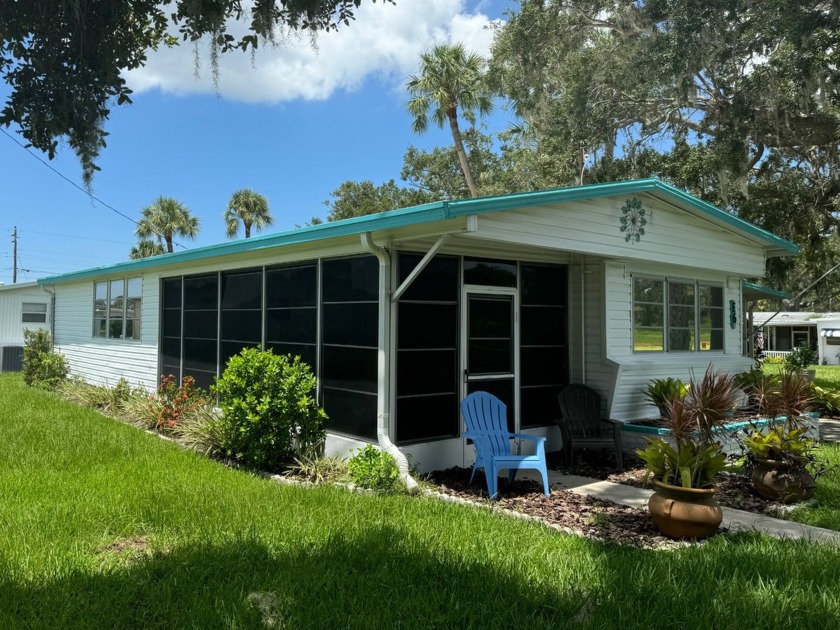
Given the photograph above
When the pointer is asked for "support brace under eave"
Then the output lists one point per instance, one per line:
(383, 398)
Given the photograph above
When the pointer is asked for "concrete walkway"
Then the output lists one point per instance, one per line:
(734, 520)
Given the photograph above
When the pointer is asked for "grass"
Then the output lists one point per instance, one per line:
(105, 526)
(827, 375)
(824, 509)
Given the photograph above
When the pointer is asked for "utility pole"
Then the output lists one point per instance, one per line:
(14, 255)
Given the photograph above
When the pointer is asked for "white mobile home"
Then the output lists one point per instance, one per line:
(402, 313)
(783, 331)
(24, 305)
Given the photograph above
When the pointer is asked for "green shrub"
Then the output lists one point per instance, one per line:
(800, 358)
(269, 413)
(41, 366)
(774, 361)
(374, 469)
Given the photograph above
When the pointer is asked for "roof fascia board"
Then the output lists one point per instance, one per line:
(350, 227)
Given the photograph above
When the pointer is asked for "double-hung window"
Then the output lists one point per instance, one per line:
(677, 315)
(117, 308)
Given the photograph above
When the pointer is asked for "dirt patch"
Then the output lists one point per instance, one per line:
(128, 550)
(134, 544)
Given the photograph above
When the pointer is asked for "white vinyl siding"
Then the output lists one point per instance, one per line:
(672, 236)
(100, 360)
(13, 314)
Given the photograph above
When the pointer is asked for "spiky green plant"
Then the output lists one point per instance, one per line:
(660, 391)
(710, 401)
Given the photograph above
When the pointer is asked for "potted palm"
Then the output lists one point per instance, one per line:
(683, 471)
(781, 462)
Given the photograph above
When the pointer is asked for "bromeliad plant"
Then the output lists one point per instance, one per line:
(782, 462)
(785, 401)
(694, 458)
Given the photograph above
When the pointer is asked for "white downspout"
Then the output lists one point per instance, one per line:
(583, 320)
(383, 397)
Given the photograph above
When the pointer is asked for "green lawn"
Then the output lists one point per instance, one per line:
(105, 526)
(827, 375)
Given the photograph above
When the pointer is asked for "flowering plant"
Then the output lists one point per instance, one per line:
(169, 404)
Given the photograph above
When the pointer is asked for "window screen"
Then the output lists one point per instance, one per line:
(291, 318)
(427, 350)
(543, 337)
(349, 314)
(200, 328)
(241, 313)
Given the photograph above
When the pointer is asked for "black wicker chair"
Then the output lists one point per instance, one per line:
(582, 425)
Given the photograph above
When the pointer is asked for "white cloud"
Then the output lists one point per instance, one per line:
(384, 41)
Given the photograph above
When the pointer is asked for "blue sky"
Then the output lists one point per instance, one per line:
(293, 125)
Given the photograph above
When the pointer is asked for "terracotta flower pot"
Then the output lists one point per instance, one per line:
(783, 481)
(684, 512)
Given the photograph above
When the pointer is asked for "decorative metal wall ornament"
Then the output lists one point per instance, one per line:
(633, 220)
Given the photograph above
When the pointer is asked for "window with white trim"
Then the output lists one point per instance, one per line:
(117, 308)
(34, 313)
(677, 315)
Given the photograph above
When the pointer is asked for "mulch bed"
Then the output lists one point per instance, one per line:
(588, 516)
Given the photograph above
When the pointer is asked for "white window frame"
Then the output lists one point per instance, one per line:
(123, 312)
(26, 309)
(698, 285)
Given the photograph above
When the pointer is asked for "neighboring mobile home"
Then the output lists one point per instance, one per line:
(785, 330)
(24, 305)
(402, 313)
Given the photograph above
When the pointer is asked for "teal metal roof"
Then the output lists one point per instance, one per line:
(760, 291)
(437, 212)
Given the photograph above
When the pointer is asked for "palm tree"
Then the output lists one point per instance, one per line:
(449, 78)
(249, 207)
(166, 218)
(146, 247)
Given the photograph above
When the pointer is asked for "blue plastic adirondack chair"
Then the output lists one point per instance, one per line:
(486, 420)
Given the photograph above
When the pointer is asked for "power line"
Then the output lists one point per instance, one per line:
(75, 185)
(64, 177)
(85, 238)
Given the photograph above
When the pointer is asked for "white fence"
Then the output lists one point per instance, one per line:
(776, 353)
